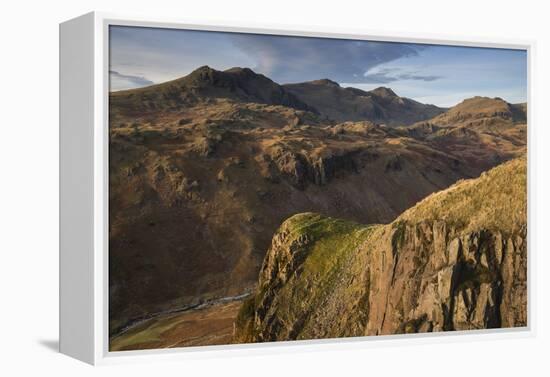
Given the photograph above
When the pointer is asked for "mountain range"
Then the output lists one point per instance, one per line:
(380, 105)
(205, 168)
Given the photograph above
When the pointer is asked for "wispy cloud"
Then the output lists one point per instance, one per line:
(141, 56)
(389, 75)
(296, 59)
(120, 81)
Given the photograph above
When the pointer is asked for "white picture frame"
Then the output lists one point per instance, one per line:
(84, 192)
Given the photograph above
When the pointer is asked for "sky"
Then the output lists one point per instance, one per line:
(436, 74)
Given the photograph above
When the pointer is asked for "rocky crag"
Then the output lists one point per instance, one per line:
(455, 261)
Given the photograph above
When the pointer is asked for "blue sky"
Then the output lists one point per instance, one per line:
(442, 75)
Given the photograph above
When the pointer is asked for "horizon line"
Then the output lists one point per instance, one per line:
(340, 84)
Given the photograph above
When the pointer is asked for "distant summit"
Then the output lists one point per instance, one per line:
(324, 97)
(326, 82)
(381, 105)
(238, 84)
(383, 92)
(483, 112)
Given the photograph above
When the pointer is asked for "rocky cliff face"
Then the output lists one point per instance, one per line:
(455, 261)
(301, 168)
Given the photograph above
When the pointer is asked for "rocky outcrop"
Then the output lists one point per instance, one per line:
(302, 168)
(456, 261)
(430, 277)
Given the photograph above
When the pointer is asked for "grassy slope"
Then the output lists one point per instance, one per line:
(497, 200)
(330, 249)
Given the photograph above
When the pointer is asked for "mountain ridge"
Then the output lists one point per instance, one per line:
(241, 84)
(323, 96)
(380, 105)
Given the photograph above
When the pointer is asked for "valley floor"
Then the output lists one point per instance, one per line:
(210, 325)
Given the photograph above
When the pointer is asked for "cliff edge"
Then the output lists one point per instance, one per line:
(457, 260)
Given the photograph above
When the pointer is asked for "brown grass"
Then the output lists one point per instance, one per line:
(497, 200)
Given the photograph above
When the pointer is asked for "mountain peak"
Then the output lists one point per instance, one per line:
(380, 105)
(483, 112)
(206, 73)
(237, 84)
(203, 68)
(241, 71)
(203, 73)
(383, 92)
(483, 105)
(327, 82)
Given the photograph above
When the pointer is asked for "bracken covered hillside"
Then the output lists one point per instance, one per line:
(455, 261)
